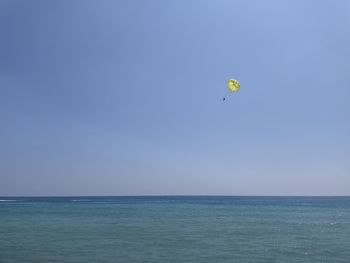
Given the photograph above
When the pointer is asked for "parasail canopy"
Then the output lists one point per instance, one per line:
(233, 85)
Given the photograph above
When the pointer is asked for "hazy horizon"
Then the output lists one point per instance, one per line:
(124, 98)
(92, 196)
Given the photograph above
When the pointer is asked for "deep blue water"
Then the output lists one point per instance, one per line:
(175, 229)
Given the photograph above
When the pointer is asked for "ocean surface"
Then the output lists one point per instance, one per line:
(175, 229)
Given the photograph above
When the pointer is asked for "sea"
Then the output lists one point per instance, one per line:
(175, 229)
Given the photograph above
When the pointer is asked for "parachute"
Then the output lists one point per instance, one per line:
(233, 86)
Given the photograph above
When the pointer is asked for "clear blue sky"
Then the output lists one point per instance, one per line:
(125, 97)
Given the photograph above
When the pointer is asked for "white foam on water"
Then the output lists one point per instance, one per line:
(80, 200)
(1, 200)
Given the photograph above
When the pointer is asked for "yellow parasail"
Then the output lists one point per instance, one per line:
(233, 85)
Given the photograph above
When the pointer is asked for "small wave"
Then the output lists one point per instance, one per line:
(80, 200)
(2, 200)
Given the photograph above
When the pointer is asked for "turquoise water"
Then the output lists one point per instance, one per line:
(175, 229)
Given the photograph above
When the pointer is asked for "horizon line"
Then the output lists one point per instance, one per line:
(170, 195)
